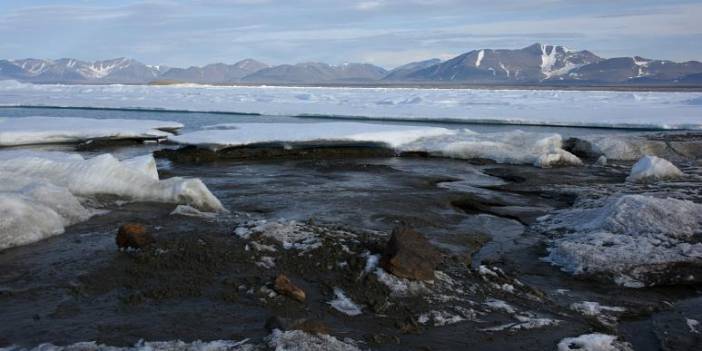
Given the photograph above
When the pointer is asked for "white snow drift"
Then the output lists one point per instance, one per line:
(631, 238)
(662, 110)
(43, 192)
(650, 168)
(49, 130)
(518, 147)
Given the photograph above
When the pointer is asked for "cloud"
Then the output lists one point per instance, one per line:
(387, 32)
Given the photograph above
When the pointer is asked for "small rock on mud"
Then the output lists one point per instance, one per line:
(409, 255)
(133, 235)
(284, 286)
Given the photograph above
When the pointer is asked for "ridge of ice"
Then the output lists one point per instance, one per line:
(518, 147)
(48, 130)
(237, 134)
(41, 192)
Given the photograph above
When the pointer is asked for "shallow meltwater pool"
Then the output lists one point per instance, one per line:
(523, 257)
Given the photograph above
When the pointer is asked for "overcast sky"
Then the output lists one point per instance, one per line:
(383, 32)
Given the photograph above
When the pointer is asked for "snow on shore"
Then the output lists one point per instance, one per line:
(635, 240)
(517, 147)
(50, 130)
(43, 192)
(659, 110)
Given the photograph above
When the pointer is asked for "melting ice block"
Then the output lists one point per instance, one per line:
(43, 192)
(650, 168)
(50, 130)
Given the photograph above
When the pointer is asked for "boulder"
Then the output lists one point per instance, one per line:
(284, 286)
(409, 255)
(133, 235)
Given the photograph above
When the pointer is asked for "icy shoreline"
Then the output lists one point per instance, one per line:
(41, 193)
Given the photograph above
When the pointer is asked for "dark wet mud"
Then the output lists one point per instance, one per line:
(202, 281)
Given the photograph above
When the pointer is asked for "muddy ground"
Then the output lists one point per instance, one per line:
(201, 281)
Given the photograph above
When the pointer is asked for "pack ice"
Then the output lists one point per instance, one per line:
(49, 130)
(517, 147)
(657, 110)
(43, 192)
(634, 240)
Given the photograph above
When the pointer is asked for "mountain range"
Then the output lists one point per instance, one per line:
(533, 65)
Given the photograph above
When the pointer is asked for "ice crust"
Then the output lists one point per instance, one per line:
(662, 110)
(630, 238)
(516, 147)
(43, 192)
(49, 130)
(651, 168)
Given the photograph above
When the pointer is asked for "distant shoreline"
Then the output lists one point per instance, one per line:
(433, 85)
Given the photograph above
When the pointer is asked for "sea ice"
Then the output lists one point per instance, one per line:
(664, 110)
(650, 168)
(41, 193)
(50, 130)
(637, 240)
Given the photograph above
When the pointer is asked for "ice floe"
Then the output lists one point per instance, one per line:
(663, 110)
(517, 147)
(43, 192)
(49, 130)
(240, 134)
(636, 240)
(593, 342)
(651, 168)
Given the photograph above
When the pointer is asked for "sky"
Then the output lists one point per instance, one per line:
(383, 32)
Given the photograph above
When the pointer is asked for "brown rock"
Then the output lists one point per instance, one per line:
(284, 286)
(409, 255)
(312, 327)
(133, 235)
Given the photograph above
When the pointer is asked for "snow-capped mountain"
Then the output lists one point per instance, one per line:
(215, 73)
(401, 72)
(635, 69)
(316, 72)
(120, 70)
(534, 63)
